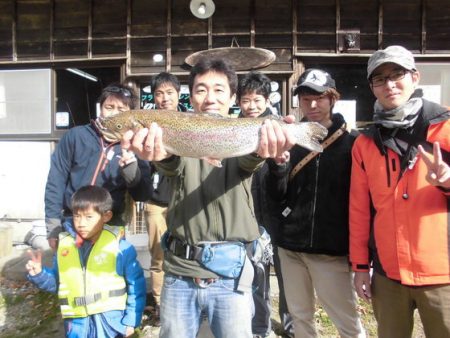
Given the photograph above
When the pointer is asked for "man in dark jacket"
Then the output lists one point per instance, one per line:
(253, 98)
(166, 91)
(313, 233)
(84, 157)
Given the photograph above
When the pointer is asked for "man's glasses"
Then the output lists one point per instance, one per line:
(397, 75)
(119, 90)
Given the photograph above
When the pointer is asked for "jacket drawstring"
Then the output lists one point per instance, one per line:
(102, 161)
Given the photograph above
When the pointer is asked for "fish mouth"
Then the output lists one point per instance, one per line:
(107, 134)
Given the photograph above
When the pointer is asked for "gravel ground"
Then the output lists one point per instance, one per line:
(27, 312)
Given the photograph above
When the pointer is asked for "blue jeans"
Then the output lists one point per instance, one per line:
(184, 303)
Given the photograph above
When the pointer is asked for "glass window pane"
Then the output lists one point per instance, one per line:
(435, 81)
(25, 102)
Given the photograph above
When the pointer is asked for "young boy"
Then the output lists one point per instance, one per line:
(100, 284)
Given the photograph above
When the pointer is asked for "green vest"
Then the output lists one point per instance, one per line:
(97, 287)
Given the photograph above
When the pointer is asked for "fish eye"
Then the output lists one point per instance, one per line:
(119, 126)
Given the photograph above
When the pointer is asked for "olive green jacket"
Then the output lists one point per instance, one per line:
(208, 204)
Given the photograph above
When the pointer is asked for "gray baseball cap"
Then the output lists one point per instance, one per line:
(392, 54)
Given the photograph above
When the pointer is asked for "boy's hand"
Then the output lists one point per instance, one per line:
(129, 332)
(34, 265)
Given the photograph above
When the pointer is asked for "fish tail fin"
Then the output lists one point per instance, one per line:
(309, 134)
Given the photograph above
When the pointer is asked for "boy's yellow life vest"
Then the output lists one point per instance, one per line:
(97, 287)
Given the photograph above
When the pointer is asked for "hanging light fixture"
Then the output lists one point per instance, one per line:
(82, 74)
(202, 9)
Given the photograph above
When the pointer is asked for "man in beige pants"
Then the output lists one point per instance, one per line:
(166, 90)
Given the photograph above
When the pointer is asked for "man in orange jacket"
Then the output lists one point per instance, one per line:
(399, 202)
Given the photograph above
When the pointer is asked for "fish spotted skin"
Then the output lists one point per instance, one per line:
(206, 135)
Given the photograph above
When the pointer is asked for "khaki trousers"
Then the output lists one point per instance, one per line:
(155, 216)
(394, 305)
(331, 278)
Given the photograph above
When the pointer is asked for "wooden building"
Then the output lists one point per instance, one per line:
(131, 40)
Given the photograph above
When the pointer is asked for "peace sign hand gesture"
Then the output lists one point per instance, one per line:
(438, 171)
(34, 265)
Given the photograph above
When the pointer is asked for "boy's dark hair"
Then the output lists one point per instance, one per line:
(222, 66)
(164, 77)
(120, 92)
(92, 196)
(254, 82)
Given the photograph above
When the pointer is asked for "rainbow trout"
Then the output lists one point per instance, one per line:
(205, 135)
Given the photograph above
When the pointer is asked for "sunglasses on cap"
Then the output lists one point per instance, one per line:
(118, 90)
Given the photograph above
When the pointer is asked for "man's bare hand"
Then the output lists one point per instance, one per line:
(146, 143)
(361, 280)
(438, 171)
(275, 140)
(126, 158)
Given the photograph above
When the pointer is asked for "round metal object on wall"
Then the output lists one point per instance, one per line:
(202, 9)
(241, 58)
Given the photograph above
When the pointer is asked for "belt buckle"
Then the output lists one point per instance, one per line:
(203, 282)
(188, 252)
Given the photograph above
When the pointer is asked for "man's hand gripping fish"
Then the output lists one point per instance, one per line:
(204, 135)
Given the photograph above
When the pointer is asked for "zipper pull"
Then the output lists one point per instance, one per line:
(155, 180)
(412, 163)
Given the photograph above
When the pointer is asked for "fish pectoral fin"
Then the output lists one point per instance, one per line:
(213, 161)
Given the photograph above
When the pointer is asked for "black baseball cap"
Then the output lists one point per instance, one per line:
(315, 79)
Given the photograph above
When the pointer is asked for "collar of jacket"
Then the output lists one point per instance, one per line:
(431, 113)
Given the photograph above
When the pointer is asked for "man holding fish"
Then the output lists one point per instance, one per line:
(210, 217)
